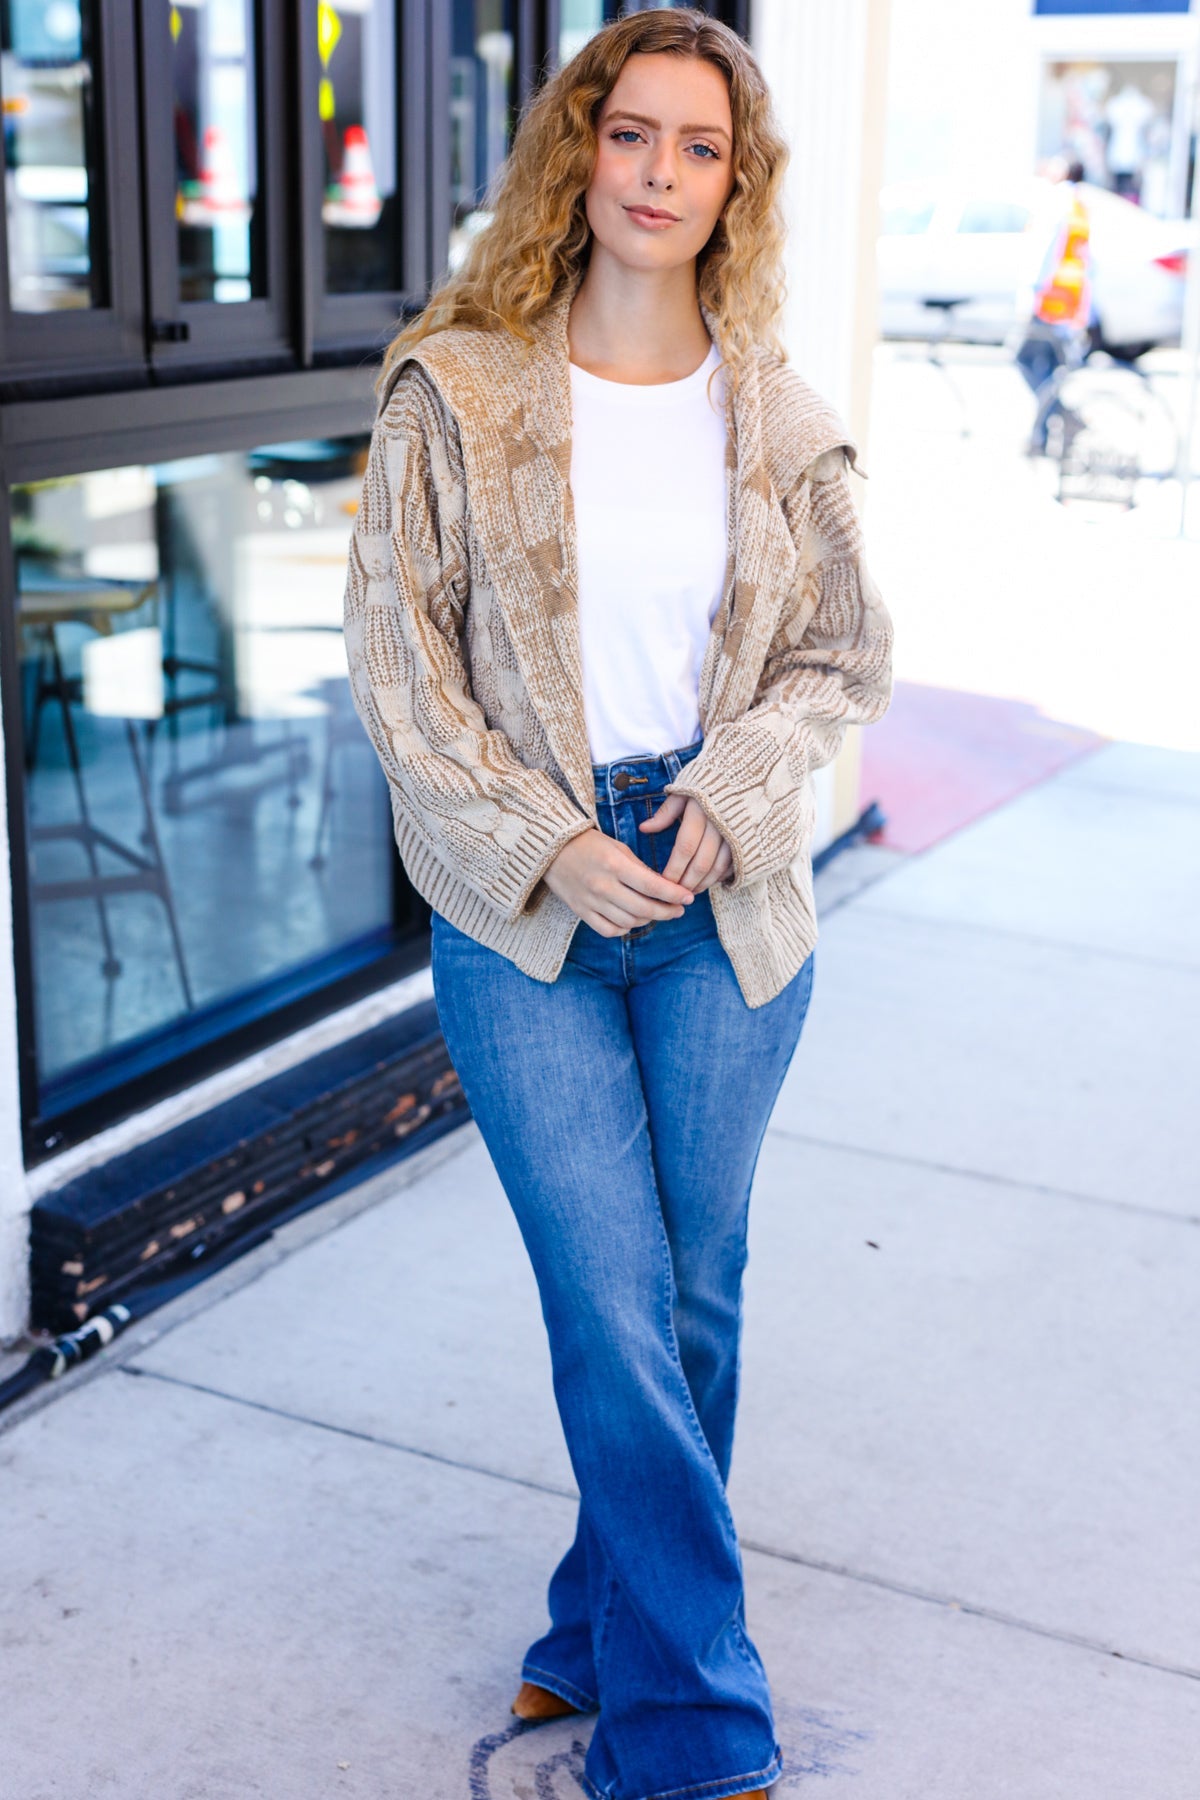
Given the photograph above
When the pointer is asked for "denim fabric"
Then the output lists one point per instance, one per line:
(1039, 358)
(624, 1105)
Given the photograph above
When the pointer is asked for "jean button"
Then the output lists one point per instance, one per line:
(621, 781)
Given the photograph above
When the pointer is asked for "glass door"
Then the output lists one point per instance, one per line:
(214, 153)
(70, 274)
(364, 69)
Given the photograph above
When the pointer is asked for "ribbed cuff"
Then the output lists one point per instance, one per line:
(758, 842)
(519, 869)
(549, 849)
(505, 876)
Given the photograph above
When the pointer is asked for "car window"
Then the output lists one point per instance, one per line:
(993, 215)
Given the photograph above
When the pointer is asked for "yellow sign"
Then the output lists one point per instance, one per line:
(329, 30)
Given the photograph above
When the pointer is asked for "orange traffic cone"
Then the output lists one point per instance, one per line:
(220, 188)
(360, 201)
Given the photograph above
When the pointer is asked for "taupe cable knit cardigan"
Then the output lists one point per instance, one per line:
(463, 645)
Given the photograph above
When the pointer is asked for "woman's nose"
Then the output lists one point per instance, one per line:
(661, 172)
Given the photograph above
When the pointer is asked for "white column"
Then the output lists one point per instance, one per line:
(14, 1198)
(825, 62)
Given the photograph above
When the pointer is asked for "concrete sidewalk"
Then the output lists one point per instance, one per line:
(292, 1537)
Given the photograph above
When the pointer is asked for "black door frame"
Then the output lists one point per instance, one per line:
(101, 345)
(42, 439)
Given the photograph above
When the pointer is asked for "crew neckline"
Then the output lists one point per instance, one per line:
(644, 392)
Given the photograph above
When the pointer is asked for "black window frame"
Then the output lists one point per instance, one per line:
(144, 335)
(339, 327)
(100, 345)
(182, 337)
(41, 439)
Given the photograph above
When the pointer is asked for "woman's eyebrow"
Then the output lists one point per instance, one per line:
(656, 124)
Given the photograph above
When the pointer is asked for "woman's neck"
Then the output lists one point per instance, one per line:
(634, 325)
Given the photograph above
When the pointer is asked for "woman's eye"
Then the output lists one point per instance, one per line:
(709, 151)
(626, 132)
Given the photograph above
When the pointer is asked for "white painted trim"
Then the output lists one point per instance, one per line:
(335, 1028)
(1116, 37)
(825, 62)
(20, 1188)
(14, 1205)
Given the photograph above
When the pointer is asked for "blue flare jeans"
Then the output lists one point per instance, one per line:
(624, 1105)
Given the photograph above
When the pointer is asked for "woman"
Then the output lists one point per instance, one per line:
(606, 613)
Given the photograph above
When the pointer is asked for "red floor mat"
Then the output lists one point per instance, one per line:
(940, 758)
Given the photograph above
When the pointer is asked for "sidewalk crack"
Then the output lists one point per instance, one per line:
(1007, 1181)
(905, 1590)
(347, 1431)
(1012, 1621)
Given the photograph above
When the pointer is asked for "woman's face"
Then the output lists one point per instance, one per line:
(664, 161)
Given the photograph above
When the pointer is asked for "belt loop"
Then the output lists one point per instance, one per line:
(673, 764)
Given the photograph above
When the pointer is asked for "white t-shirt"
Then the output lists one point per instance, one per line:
(649, 485)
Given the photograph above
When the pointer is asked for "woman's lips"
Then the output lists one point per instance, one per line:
(650, 218)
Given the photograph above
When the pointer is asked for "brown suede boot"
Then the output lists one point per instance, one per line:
(538, 1703)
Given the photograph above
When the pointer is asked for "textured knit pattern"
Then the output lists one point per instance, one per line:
(463, 643)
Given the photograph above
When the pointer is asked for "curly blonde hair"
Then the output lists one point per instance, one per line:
(538, 238)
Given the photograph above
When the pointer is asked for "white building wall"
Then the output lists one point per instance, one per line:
(965, 75)
(962, 91)
(826, 64)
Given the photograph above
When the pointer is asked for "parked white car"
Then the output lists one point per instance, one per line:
(963, 263)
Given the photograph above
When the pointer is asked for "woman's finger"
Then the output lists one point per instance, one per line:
(600, 924)
(645, 907)
(667, 813)
(633, 873)
(617, 915)
(722, 867)
(692, 827)
(706, 855)
(720, 870)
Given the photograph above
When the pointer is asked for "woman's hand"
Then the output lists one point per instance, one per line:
(604, 883)
(700, 856)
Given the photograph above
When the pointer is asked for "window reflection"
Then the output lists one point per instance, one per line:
(578, 21)
(208, 824)
(356, 45)
(216, 156)
(481, 96)
(50, 154)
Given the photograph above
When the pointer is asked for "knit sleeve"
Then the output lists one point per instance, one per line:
(488, 818)
(829, 665)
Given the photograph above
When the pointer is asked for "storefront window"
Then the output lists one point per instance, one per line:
(1117, 119)
(481, 103)
(216, 158)
(356, 44)
(578, 21)
(208, 825)
(50, 139)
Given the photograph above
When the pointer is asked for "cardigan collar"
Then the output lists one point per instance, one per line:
(512, 404)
